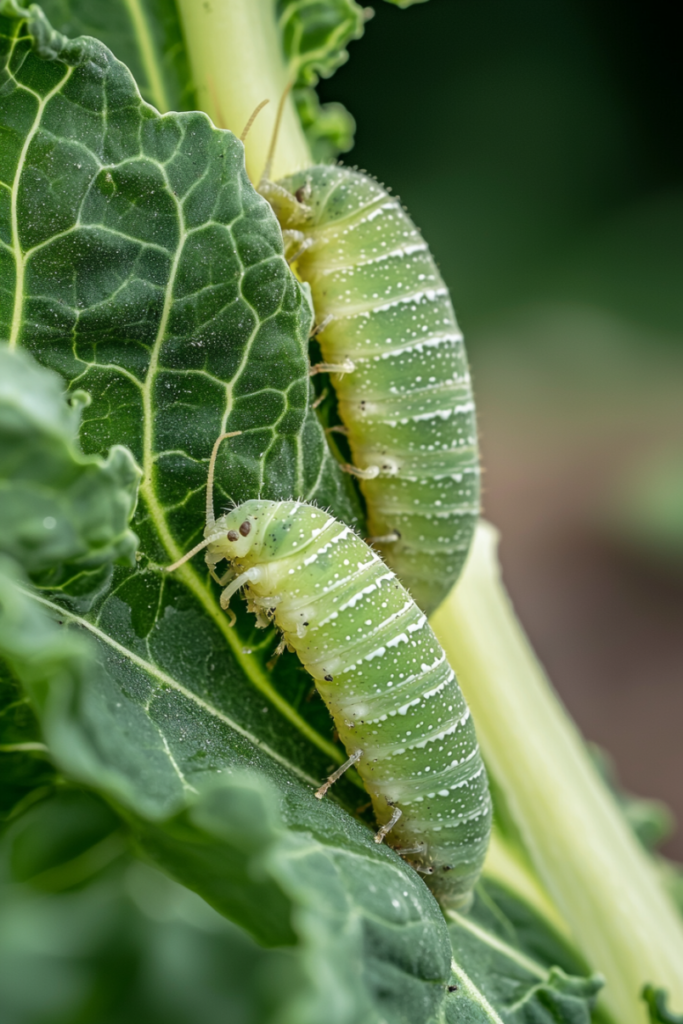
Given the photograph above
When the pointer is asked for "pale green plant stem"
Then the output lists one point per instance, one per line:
(593, 867)
(504, 865)
(237, 61)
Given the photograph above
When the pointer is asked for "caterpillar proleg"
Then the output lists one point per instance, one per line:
(379, 668)
(408, 406)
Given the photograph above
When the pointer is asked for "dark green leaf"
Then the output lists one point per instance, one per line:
(26, 774)
(322, 882)
(329, 127)
(315, 34)
(33, 652)
(140, 263)
(64, 841)
(146, 35)
(656, 999)
(63, 516)
(153, 275)
(523, 969)
(135, 948)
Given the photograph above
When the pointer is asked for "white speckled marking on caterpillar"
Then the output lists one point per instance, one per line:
(407, 405)
(379, 668)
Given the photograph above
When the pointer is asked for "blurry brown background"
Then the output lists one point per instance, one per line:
(539, 147)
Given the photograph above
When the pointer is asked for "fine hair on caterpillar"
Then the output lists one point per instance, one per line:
(380, 670)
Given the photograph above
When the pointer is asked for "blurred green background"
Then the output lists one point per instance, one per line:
(538, 145)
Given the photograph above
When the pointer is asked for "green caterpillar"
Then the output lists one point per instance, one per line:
(379, 668)
(403, 384)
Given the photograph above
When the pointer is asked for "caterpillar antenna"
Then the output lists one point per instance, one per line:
(255, 113)
(276, 129)
(210, 516)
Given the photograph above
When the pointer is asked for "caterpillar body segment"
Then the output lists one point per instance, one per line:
(408, 403)
(379, 668)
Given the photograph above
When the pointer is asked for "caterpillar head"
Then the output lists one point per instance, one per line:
(238, 534)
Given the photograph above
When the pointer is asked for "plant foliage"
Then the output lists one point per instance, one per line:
(147, 306)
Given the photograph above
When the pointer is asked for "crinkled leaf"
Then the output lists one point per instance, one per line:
(64, 841)
(315, 34)
(25, 772)
(521, 967)
(34, 652)
(63, 516)
(191, 323)
(140, 263)
(147, 270)
(146, 35)
(657, 1005)
(322, 882)
(265, 853)
(329, 127)
(133, 947)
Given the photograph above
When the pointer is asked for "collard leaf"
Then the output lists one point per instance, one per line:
(141, 265)
(146, 35)
(315, 34)
(329, 128)
(521, 967)
(321, 881)
(153, 276)
(133, 947)
(64, 841)
(155, 279)
(63, 516)
(26, 773)
(267, 854)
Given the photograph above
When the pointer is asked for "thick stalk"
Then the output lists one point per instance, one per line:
(237, 61)
(601, 879)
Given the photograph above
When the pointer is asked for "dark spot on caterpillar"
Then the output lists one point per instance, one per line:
(245, 528)
(300, 194)
(233, 535)
(452, 988)
(305, 623)
(328, 679)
